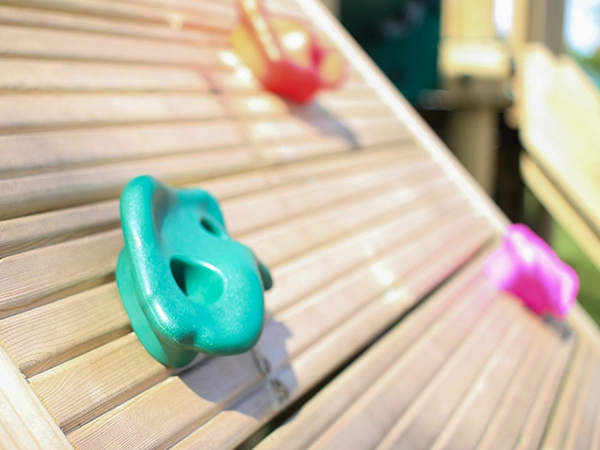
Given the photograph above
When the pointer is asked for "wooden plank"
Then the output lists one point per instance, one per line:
(95, 433)
(24, 421)
(70, 267)
(561, 209)
(369, 419)
(212, 19)
(70, 45)
(427, 414)
(31, 75)
(248, 213)
(316, 415)
(336, 221)
(37, 230)
(301, 276)
(58, 271)
(54, 110)
(560, 422)
(104, 369)
(80, 404)
(538, 368)
(51, 340)
(57, 332)
(40, 193)
(559, 112)
(584, 409)
(469, 419)
(234, 424)
(28, 17)
(30, 232)
(48, 150)
(188, 406)
(74, 110)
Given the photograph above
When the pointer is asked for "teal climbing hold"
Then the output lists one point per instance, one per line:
(185, 284)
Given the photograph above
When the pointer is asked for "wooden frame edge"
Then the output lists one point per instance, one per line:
(25, 423)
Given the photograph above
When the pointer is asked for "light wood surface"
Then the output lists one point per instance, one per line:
(353, 203)
(561, 209)
(24, 421)
(560, 115)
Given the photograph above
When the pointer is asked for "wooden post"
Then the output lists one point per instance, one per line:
(472, 127)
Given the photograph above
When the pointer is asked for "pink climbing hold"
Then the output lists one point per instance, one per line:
(527, 267)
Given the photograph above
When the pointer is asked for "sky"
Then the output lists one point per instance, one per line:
(582, 23)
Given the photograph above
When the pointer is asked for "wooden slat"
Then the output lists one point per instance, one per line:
(58, 271)
(93, 435)
(24, 422)
(50, 340)
(43, 229)
(212, 18)
(49, 149)
(58, 44)
(27, 17)
(62, 330)
(66, 147)
(69, 414)
(539, 368)
(104, 369)
(74, 76)
(245, 214)
(42, 111)
(374, 413)
(429, 411)
(30, 232)
(561, 209)
(565, 411)
(584, 413)
(469, 419)
(74, 110)
(234, 424)
(321, 226)
(316, 415)
(39, 193)
(188, 405)
(304, 275)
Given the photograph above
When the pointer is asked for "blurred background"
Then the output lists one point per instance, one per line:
(458, 62)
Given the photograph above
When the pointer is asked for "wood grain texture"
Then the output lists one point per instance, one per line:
(81, 263)
(31, 75)
(52, 338)
(58, 271)
(145, 14)
(337, 396)
(69, 409)
(25, 233)
(24, 421)
(64, 20)
(43, 192)
(234, 424)
(507, 426)
(106, 90)
(16, 41)
(51, 334)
